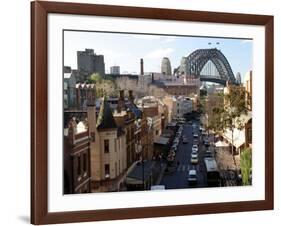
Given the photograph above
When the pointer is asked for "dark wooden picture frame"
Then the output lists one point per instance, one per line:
(39, 109)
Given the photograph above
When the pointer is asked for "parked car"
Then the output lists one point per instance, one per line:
(192, 177)
(174, 147)
(178, 134)
(207, 143)
(194, 148)
(185, 140)
(204, 133)
(194, 159)
(195, 135)
(195, 141)
(209, 154)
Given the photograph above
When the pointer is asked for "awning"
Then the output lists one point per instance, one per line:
(221, 144)
(238, 137)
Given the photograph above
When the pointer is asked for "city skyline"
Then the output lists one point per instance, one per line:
(152, 48)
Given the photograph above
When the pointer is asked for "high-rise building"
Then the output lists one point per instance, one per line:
(115, 70)
(88, 63)
(238, 78)
(166, 66)
(183, 65)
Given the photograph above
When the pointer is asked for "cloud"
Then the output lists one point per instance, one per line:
(169, 39)
(112, 54)
(246, 41)
(159, 53)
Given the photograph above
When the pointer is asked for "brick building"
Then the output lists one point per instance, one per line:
(77, 175)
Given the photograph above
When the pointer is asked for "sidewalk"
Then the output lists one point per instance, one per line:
(161, 165)
(228, 166)
(225, 160)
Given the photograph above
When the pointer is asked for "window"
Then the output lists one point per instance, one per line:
(78, 165)
(128, 135)
(249, 131)
(93, 136)
(106, 146)
(119, 166)
(85, 165)
(106, 169)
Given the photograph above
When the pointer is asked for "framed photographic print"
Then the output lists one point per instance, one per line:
(147, 112)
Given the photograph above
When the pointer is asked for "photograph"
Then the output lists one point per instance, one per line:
(146, 112)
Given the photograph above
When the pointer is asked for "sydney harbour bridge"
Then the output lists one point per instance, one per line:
(209, 64)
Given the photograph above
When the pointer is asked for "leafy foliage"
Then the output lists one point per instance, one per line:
(234, 107)
(212, 107)
(95, 78)
(246, 165)
(103, 86)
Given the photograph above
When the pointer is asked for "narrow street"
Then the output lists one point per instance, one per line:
(177, 176)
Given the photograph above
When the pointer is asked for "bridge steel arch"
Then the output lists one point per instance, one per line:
(197, 60)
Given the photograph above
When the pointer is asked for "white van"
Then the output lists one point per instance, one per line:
(157, 187)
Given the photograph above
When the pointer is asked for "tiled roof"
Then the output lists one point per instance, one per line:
(85, 86)
(137, 112)
(105, 118)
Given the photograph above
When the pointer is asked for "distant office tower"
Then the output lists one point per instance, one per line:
(88, 63)
(183, 66)
(115, 70)
(238, 78)
(166, 66)
(66, 69)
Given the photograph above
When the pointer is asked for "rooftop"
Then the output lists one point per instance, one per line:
(162, 140)
(105, 119)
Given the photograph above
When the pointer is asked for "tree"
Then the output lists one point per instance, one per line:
(234, 107)
(95, 78)
(246, 165)
(103, 86)
(212, 108)
(203, 92)
(106, 87)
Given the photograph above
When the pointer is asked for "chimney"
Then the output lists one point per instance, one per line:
(121, 101)
(91, 93)
(152, 78)
(71, 130)
(121, 94)
(131, 97)
(141, 66)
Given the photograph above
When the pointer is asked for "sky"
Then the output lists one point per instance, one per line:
(125, 50)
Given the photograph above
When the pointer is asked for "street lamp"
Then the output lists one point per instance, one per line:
(107, 177)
